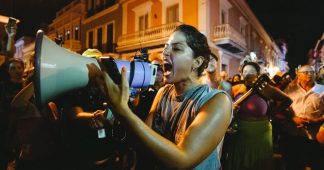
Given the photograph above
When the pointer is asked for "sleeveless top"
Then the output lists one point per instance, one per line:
(254, 105)
(174, 114)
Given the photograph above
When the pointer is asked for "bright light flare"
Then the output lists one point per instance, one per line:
(272, 70)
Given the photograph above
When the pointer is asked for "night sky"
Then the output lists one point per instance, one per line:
(299, 22)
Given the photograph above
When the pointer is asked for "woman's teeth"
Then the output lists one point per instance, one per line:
(167, 68)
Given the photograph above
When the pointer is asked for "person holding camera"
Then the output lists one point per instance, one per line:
(143, 101)
(86, 131)
(11, 82)
(187, 120)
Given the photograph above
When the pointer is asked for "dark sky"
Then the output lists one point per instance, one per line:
(299, 22)
(32, 13)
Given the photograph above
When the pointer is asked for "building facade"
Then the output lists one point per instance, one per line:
(231, 28)
(102, 25)
(122, 27)
(66, 27)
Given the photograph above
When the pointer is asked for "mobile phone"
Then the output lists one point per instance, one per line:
(12, 22)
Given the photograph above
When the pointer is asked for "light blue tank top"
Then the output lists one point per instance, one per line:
(175, 113)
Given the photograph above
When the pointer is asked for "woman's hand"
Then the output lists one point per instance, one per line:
(11, 30)
(117, 94)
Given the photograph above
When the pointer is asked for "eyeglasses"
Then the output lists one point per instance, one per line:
(307, 72)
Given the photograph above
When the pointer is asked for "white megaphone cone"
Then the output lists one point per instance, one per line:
(57, 70)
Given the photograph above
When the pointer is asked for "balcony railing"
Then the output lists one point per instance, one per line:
(226, 34)
(151, 34)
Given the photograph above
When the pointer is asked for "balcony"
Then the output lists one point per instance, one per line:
(229, 39)
(154, 36)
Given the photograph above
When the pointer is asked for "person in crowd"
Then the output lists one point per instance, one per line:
(251, 147)
(223, 76)
(320, 76)
(36, 134)
(300, 148)
(209, 76)
(7, 50)
(236, 79)
(86, 130)
(11, 82)
(183, 112)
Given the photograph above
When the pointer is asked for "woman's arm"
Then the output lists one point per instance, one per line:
(11, 32)
(199, 140)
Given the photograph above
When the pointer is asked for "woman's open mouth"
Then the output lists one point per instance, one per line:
(167, 69)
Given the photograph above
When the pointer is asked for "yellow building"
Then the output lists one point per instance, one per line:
(231, 27)
(67, 25)
(125, 26)
(102, 26)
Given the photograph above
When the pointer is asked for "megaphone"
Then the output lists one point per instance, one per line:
(58, 70)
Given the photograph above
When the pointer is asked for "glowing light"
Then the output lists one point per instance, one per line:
(4, 19)
(272, 70)
(253, 56)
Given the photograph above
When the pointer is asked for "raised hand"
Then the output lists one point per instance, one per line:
(117, 94)
(11, 30)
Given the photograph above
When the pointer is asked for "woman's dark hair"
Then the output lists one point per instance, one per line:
(197, 42)
(254, 64)
(236, 75)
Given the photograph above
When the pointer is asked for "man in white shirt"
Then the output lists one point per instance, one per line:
(299, 144)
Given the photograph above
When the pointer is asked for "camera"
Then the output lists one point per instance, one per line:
(142, 56)
(11, 22)
(140, 73)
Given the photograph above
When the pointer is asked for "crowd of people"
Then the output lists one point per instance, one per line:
(191, 118)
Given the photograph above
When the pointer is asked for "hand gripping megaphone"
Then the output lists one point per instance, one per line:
(58, 70)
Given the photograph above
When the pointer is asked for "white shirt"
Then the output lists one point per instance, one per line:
(307, 104)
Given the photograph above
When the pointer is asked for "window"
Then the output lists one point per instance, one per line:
(243, 24)
(98, 3)
(90, 39)
(76, 33)
(142, 15)
(172, 14)
(99, 39)
(143, 22)
(225, 6)
(110, 38)
(172, 11)
(224, 67)
(223, 17)
(67, 35)
(90, 4)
